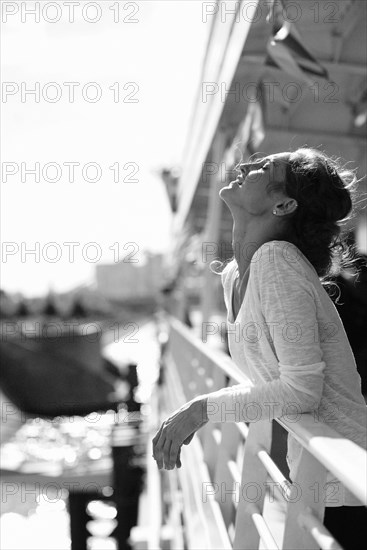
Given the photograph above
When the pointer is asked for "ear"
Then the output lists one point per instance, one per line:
(286, 206)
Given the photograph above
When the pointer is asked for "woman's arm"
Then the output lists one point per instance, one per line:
(177, 430)
(288, 305)
(289, 309)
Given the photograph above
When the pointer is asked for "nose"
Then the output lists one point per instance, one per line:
(245, 168)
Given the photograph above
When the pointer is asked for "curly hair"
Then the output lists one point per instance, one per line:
(325, 190)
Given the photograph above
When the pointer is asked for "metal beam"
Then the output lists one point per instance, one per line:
(337, 138)
(232, 38)
(345, 68)
(212, 228)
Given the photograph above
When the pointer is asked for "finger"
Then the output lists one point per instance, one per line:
(178, 461)
(156, 439)
(157, 435)
(166, 453)
(173, 455)
(189, 439)
(158, 450)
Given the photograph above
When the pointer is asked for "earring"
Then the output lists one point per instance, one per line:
(274, 212)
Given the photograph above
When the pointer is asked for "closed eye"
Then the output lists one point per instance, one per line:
(245, 169)
(264, 167)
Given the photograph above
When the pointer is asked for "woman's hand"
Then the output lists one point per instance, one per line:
(177, 430)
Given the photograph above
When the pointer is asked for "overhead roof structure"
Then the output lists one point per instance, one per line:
(329, 113)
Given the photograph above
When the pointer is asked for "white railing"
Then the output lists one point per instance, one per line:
(228, 477)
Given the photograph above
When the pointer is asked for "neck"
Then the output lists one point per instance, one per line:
(246, 239)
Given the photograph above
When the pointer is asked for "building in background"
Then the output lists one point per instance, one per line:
(128, 281)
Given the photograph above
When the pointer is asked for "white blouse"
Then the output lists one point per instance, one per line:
(289, 340)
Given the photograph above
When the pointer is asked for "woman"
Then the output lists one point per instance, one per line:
(284, 330)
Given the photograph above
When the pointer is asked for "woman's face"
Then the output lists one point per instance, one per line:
(249, 191)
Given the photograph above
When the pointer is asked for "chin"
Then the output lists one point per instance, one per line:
(225, 194)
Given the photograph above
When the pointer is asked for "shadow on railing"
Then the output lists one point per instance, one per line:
(224, 493)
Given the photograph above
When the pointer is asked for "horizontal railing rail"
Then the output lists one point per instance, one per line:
(258, 504)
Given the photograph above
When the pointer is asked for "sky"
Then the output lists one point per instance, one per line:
(122, 115)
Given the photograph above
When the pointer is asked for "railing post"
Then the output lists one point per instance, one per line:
(307, 493)
(254, 477)
(227, 452)
(215, 465)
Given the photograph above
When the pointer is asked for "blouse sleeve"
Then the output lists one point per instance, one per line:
(288, 306)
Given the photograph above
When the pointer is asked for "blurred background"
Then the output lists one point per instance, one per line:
(121, 123)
